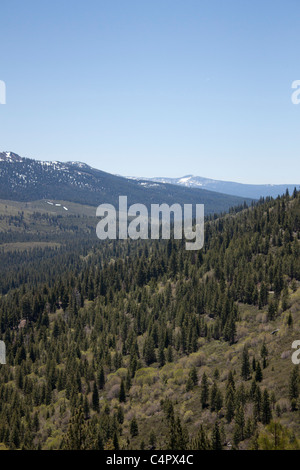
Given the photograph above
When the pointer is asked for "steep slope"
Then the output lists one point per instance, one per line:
(23, 179)
(142, 344)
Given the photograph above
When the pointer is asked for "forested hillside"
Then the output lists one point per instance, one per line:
(24, 179)
(143, 345)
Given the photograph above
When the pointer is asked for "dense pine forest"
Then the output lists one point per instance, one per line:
(144, 345)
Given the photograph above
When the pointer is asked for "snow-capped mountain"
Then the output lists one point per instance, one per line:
(254, 191)
(24, 179)
(9, 157)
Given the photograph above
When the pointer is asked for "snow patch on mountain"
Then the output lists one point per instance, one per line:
(225, 187)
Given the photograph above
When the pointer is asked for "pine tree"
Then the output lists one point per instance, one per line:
(239, 425)
(116, 442)
(134, 430)
(189, 385)
(230, 381)
(86, 408)
(201, 441)
(263, 295)
(249, 428)
(266, 408)
(36, 422)
(271, 311)
(264, 354)
(290, 320)
(161, 355)
(294, 384)
(216, 400)
(257, 404)
(177, 436)
(101, 378)
(216, 443)
(122, 394)
(252, 390)
(181, 435)
(230, 330)
(120, 415)
(194, 376)
(78, 436)
(95, 398)
(258, 373)
(230, 403)
(149, 351)
(170, 354)
(204, 391)
(213, 394)
(245, 373)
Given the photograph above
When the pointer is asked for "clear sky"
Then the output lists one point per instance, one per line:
(154, 87)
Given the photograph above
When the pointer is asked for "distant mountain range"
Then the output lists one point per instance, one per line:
(24, 179)
(253, 191)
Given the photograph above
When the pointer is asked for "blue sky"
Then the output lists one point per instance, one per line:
(154, 87)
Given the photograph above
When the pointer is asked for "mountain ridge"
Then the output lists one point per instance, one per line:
(24, 179)
(255, 191)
